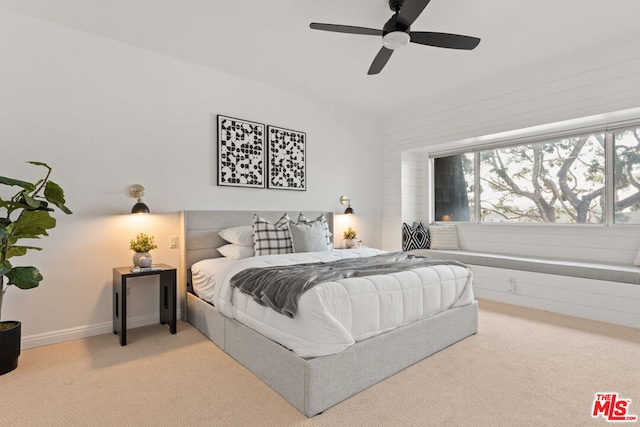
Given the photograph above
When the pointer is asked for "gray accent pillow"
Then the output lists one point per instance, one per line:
(322, 220)
(308, 237)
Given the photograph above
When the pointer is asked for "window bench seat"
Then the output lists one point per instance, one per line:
(622, 273)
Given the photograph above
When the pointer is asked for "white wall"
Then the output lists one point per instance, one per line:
(604, 88)
(105, 116)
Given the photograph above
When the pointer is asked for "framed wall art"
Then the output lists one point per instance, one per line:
(241, 152)
(286, 159)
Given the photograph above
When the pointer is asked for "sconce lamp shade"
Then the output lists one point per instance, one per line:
(137, 191)
(347, 201)
(140, 208)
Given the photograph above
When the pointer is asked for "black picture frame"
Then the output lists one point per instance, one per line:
(241, 152)
(286, 159)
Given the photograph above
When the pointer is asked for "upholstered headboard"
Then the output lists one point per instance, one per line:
(199, 235)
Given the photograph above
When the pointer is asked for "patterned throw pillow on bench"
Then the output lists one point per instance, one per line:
(414, 237)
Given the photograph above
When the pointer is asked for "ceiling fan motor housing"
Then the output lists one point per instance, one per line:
(395, 24)
(395, 33)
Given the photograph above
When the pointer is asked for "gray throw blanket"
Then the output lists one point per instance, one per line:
(280, 287)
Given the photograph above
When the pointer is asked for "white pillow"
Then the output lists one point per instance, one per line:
(236, 251)
(308, 237)
(443, 237)
(242, 235)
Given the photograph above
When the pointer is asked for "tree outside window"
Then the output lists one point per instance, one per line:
(453, 188)
(556, 181)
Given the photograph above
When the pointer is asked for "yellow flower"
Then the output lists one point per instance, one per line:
(142, 243)
(350, 233)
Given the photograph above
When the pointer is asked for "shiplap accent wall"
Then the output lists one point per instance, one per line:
(611, 245)
(577, 90)
(594, 299)
(414, 187)
(391, 200)
(409, 170)
(600, 300)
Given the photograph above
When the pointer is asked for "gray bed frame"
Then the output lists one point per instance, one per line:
(311, 385)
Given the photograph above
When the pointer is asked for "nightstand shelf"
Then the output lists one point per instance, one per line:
(167, 298)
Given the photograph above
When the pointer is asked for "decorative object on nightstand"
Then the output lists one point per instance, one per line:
(168, 303)
(141, 245)
(350, 240)
(137, 191)
(347, 201)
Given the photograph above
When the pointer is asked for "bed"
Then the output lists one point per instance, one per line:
(311, 380)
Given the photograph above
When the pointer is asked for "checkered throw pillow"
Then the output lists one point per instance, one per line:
(271, 238)
(325, 225)
(414, 237)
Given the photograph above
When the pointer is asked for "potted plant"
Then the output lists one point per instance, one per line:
(25, 215)
(141, 245)
(350, 240)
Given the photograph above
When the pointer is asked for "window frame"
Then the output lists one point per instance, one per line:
(609, 152)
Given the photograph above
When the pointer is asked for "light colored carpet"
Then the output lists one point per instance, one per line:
(524, 368)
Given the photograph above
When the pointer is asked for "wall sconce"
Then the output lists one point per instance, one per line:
(347, 201)
(137, 191)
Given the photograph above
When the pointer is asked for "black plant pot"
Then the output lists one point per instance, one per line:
(10, 332)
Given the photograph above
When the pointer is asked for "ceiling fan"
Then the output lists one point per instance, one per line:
(397, 33)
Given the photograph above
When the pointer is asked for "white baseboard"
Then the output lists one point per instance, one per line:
(55, 337)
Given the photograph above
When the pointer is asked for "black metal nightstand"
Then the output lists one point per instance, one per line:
(167, 297)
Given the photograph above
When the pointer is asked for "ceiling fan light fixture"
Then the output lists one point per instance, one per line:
(395, 40)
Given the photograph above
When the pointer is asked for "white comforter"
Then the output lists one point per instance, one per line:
(334, 315)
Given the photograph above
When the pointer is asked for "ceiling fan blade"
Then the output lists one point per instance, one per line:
(346, 29)
(451, 41)
(380, 61)
(411, 9)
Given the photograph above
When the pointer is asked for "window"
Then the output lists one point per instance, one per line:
(453, 188)
(627, 176)
(561, 180)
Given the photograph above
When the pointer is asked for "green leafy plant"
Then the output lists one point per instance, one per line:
(142, 243)
(350, 233)
(26, 215)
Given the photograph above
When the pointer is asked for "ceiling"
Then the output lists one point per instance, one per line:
(270, 41)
